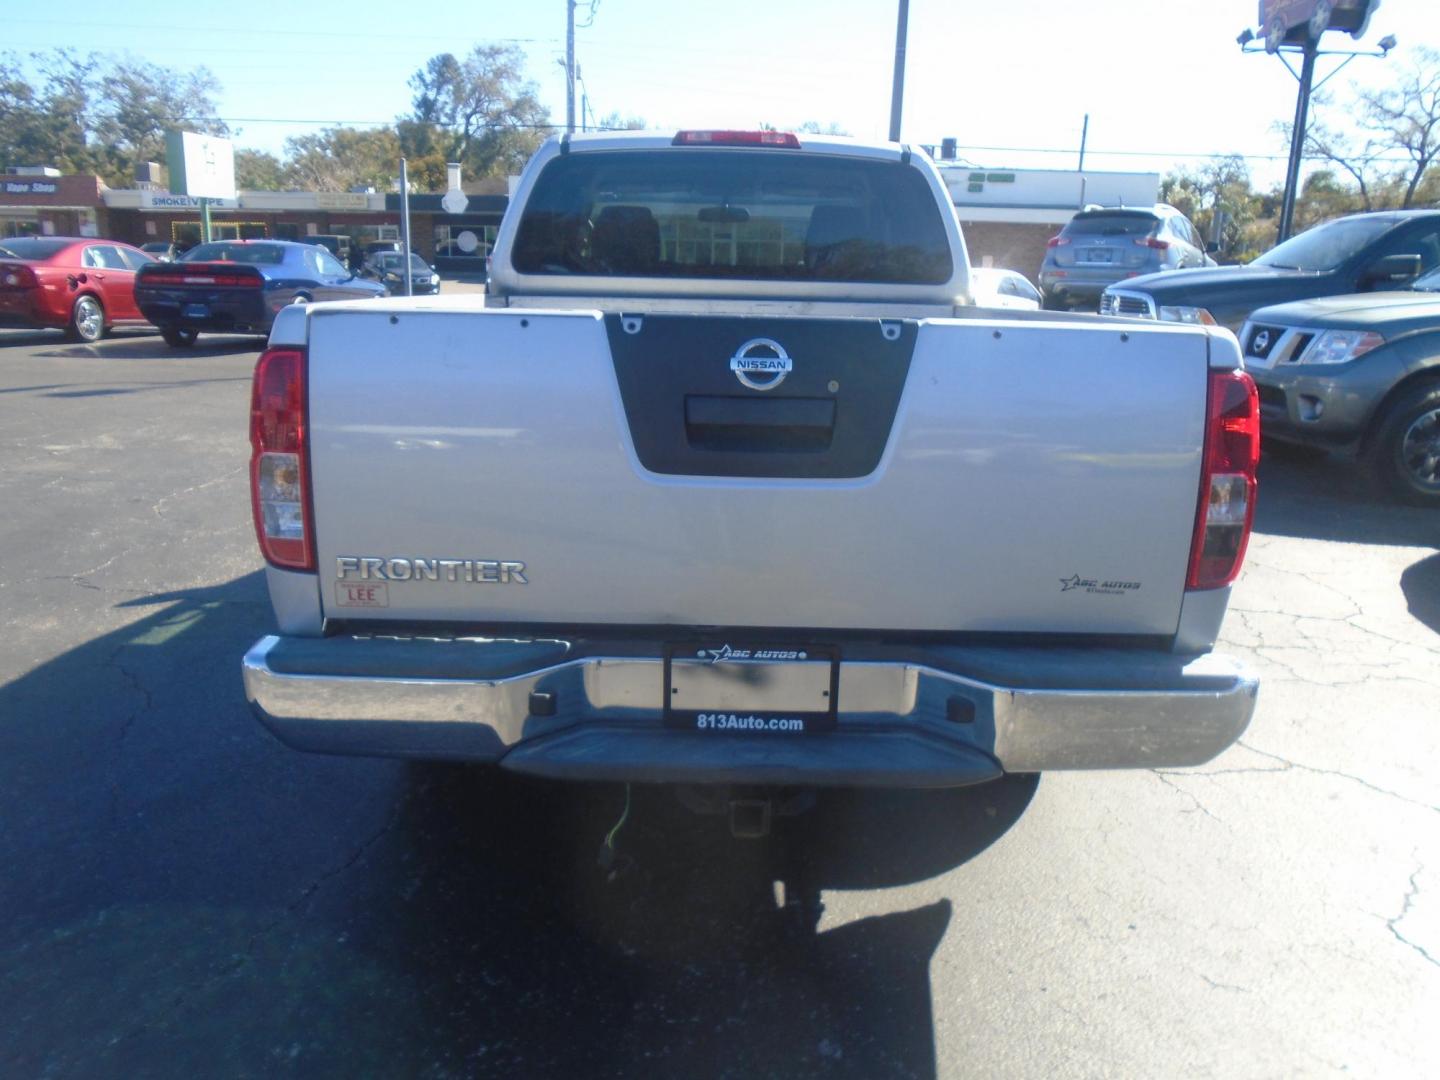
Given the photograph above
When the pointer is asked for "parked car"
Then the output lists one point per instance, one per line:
(1103, 245)
(364, 257)
(388, 268)
(237, 286)
(1359, 253)
(337, 244)
(84, 287)
(996, 288)
(162, 251)
(1359, 374)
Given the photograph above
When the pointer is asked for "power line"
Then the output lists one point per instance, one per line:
(269, 31)
(1183, 155)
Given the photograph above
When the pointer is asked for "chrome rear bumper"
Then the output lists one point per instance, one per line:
(933, 718)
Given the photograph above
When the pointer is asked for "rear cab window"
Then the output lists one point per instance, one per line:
(733, 214)
(134, 259)
(31, 248)
(254, 254)
(1117, 224)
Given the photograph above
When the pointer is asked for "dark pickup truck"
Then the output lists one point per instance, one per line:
(1355, 254)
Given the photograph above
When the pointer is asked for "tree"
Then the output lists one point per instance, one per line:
(1394, 124)
(814, 128)
(1407, 117)
(339, 158)
(1362, 161)
(96, 114)
(1220, 200)
(479, 111)
(1324, 196)
(615, 122)
(140, 102)
(47, 120)
(258, 170)
(421, 143)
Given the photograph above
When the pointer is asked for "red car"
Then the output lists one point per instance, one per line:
(83, 287)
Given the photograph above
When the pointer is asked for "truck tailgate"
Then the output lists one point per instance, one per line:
(506, 466)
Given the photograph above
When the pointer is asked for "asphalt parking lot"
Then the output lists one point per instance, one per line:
(182, 896)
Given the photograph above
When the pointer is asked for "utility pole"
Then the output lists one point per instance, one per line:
(897, 91)
(1084, 136)
(570, 66)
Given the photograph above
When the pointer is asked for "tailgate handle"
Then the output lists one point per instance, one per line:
(759, 424)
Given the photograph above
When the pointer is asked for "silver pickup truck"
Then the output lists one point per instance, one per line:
(727, 481)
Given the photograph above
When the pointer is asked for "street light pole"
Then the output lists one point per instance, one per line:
(405, 223)
(1272, 39)
(570, 65)
(1297, 139)
(897, 91)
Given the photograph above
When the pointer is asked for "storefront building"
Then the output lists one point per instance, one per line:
(140, 217)
(41, 202)
(454, 243)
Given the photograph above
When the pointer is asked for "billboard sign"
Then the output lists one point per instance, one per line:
(1293, 22)
(201, 166)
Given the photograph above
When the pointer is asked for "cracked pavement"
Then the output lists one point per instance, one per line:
(182, 896)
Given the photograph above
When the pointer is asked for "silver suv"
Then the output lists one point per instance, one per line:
(1103, 245)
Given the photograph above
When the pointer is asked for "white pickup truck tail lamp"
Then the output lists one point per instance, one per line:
(1227, 481)
(784, 139)
(279, 460)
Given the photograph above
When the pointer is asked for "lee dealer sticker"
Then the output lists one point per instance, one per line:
(361, 594)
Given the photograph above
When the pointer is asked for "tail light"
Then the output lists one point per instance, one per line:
(1057, 241)
(736, 138)
(279, 460)
(242, 281)
(18, 277)
(1152, 242)
(1227, 481)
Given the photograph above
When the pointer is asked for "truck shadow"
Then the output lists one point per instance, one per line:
(706, 956)
(127, 343)
(150, 346)
(184, 896)
(1328, 498)
(1421, 585)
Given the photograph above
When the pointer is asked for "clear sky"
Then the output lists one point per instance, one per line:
(1163, 80)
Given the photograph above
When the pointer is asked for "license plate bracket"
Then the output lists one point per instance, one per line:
(731, 688)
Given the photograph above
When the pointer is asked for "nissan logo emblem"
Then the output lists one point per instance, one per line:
(764, 358)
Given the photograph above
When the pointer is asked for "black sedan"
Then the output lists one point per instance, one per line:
(237, 286)
(388, 268)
